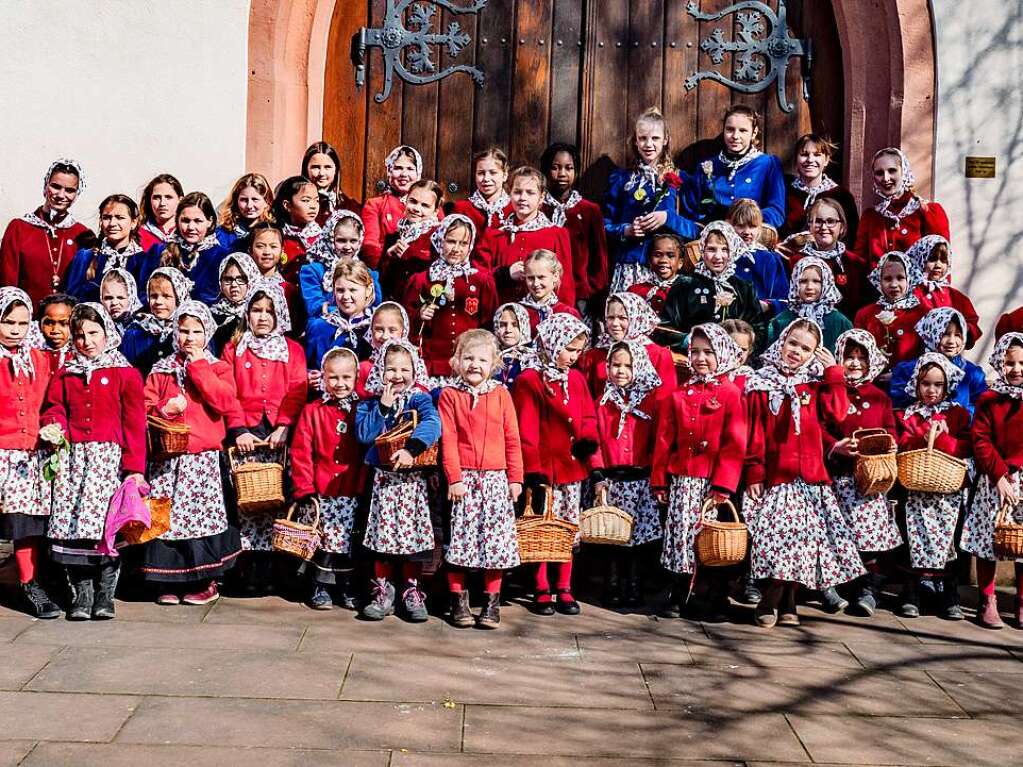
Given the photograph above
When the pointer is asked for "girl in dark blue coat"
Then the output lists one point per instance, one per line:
(118, 248)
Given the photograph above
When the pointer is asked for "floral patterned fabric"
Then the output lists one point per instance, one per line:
(871, 518)
(635, 497)
(193, 483)
(483, 523)
(89, 474)
(399, 514)
(685, 500)
(930, 527)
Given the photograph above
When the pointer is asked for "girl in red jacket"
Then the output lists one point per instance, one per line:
(52, 333)
(96, 400)
(452, 296)
(489, 204)
(296, 206)
(381, 214)
(327, 464)
(194, 388)
(24, 376)
(482, 458)
(892, 318)
(931, 517)
(664, 261)
(998, 448)
(799, 533)
(558, 428)
(543, 273)
(514, 341)
(270, 375)
(870, 517)
(410, 249)
(625, 423)
(933, 257)
(701, 440)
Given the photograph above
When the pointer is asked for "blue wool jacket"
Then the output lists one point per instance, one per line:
(75, 282)
(310, 282)
(320, 337)
(205, 273)
(966, 394)
(761, 180)
(764, 268)
(373, 419)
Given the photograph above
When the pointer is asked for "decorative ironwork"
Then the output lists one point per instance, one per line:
(753, 49)
(414, 39)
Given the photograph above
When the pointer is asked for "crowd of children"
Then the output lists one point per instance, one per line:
(702, 337)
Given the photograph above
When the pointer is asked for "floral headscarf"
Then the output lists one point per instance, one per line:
(877, 361)
(913, 278)
(932, 326)
(132, 288)
(812, 192)
(375, 379)
(399, 150)
(643, 320)
(21, 355)
(953, 376)
(908, 180)
(441, 270)
(725, 349)
(829, 297)
(997, 360)
(735, 247)
(780, 382)
(176, 364)
(251, 273)
(391, 306)
(490, 209)
(66, 161)
(524, 349)
(181, 286)
(117, 259)
(68, 221)
(921, 250)
(538, 222)
(553, 335)
(110, 357)
(322, 251)
(732, 165)
(347, 402)
(274, 346)
(644, 380)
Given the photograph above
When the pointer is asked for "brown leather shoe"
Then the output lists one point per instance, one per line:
(460, 615)
(490, 615)
(987, 614)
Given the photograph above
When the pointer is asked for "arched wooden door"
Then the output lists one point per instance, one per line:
(564, 70)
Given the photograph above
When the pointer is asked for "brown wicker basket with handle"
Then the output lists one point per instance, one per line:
(605, 524)
(719, 544)
(544, 538)
(259, 486)
(135, 533)
(390, 442)
(691, 256)
(876, 468)
(167, 439)
(296, 538)
(927, 470)
(1008, 535)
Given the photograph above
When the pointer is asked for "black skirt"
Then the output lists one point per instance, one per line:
(14, 526)
(195, 559)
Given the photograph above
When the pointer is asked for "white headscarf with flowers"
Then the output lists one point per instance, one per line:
(932, 326)
(347, 402)
(828, 299)
(110, 357)
(181, 286)
(176, 364)
(553, 335)
(953, 375)
(913, 276)
(906, 184)
(997, 361)
(398, 151)
(68, 221)
(249, 271)
(643, 320)
(273, 346)
(21, 355)
(921, 250)
(644, 380)
(131, 288)
(735, 247)
(322, 251)
(389, 306)
(375, 379)
(779, 381)
(725, 349)
(441, 270)
(877, 361)
(524, 348)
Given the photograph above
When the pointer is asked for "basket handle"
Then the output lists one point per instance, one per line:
(931, 436)
(710, 503)
(548, 512)
(602, 496)
(1002, 518)
(232, 453)
(860, 433)
(316, 511)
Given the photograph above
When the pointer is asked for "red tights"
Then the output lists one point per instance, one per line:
(26, 554)
(491, 581)
(986, 578)
(410, 571)
(562, 579)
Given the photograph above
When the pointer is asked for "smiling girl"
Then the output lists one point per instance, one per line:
(193, 249)
(296, 205)
(149, 337)
(381, 214)
(813, 155)
(249, 202)
(813, 295)
(118, 248)
(489, 204)
(322, 165)
(345, 326)
(893, 317)
(409, 250)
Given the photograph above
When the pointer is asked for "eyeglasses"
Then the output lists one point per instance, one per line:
(830, 223)
(234, 281)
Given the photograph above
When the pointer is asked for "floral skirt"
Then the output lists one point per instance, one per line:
(24, 495)
(337, 518)
(978, 535)
(800, 536)
(399, 514)
(193, 483)
(685, 500)
(870, 517)
(483, 523)
(931, 520)
(625, 276)
(634, 497)
(89, 475)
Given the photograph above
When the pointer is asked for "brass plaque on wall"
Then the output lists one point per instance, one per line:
(980, 167)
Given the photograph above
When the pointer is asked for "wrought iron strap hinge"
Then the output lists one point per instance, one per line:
(406, 44)
(752, 49)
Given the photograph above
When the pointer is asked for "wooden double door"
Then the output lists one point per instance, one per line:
(578, 71)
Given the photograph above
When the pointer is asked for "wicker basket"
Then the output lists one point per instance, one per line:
(1008, 535)
(876, 468)
(931, 471)
(295, 538)
(604, 524)
(259, 486)
(719, 544)
(390, 442)
(135, 533)
(691, 256)
(167, 439)
(544, 538)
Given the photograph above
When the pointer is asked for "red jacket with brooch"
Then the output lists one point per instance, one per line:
(478, 217)
(559, 307)
(21, 398)
(949, 296)
(380, 217)
(585, 225)
(777, 455)
(326, 457)
(473, 307)
(913, 431)
(277, 389)
(652, 294)
(497, 251)
(869, 408)
(481, 438)
(634, 447)
(877, 235)
(110, 408)
(899, 339)
(396, 272)
(31, 258)
(593, 364)
(998, 435)
(702, 431)
(549, 426)
(211, 396)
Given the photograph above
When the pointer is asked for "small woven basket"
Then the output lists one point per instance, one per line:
(691, 256)
(167, 439)
(295, 538)
(876, 468)
(544, 538)
(605, 524)
(719, 544)
(1008, 535)
(390, 442)
(931, 471)
(259, 486)
(135, 533)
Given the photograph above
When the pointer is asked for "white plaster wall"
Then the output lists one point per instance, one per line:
(980, 112)
(129, 88)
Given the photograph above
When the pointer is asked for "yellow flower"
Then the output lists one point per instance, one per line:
(639, 195)
(436, 290)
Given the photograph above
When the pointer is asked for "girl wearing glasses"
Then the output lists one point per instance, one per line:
(814, 154)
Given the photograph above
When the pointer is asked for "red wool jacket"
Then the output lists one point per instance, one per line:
(380, 217)
(560, 307)
(30, 258)
(593, 365)
(478, 217)
(277, 389)
(877, 235)
(211, 396)
(585, 225)
(110, 408)
(395, 273)
(652, 294)
(998, 435)
(21, 398)
(899, 339)
(634, 447)
(702, 431)
(497, 252)
(869, 408)
(913, 431)
(777, 455)
(549, 426)
(949, 296)
(326, 457)
(481, 438)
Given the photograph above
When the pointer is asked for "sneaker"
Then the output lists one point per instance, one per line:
(788, 619)
(910, 607)
(168, 600)
(987, 615)
(566, 604)
(381, 600)
(865, 605)
(766, 619)
(490, 615)
(751, 595)
(832, 601)
(953, 612)
(204, 597)
(320, 600)
(343, 596)
(461, 617)
(38, 601)
(414, 602)
(81, 599)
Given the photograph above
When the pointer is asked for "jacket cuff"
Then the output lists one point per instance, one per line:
(415, 446)
(834, 374)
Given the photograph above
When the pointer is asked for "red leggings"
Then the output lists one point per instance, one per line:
(26, 555)
(491, 581)
(986, 577)
(410, 571)
(562, 578)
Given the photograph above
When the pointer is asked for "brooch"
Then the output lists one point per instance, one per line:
(472, 305)
(342, 427)
(804, 398)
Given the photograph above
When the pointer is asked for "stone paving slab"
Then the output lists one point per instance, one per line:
(186, 671)
(119, 755)
(11, 628)
(819, 626)
(11, 754)
(770, 653)
(59, 716)
(17, 667)
(936, 657)
(983, 694)
(618, 646)
(507, 760)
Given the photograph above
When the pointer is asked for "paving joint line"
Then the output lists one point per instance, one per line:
(799, 740)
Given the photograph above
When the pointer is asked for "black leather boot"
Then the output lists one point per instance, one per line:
(461, 617)
(82, 593)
